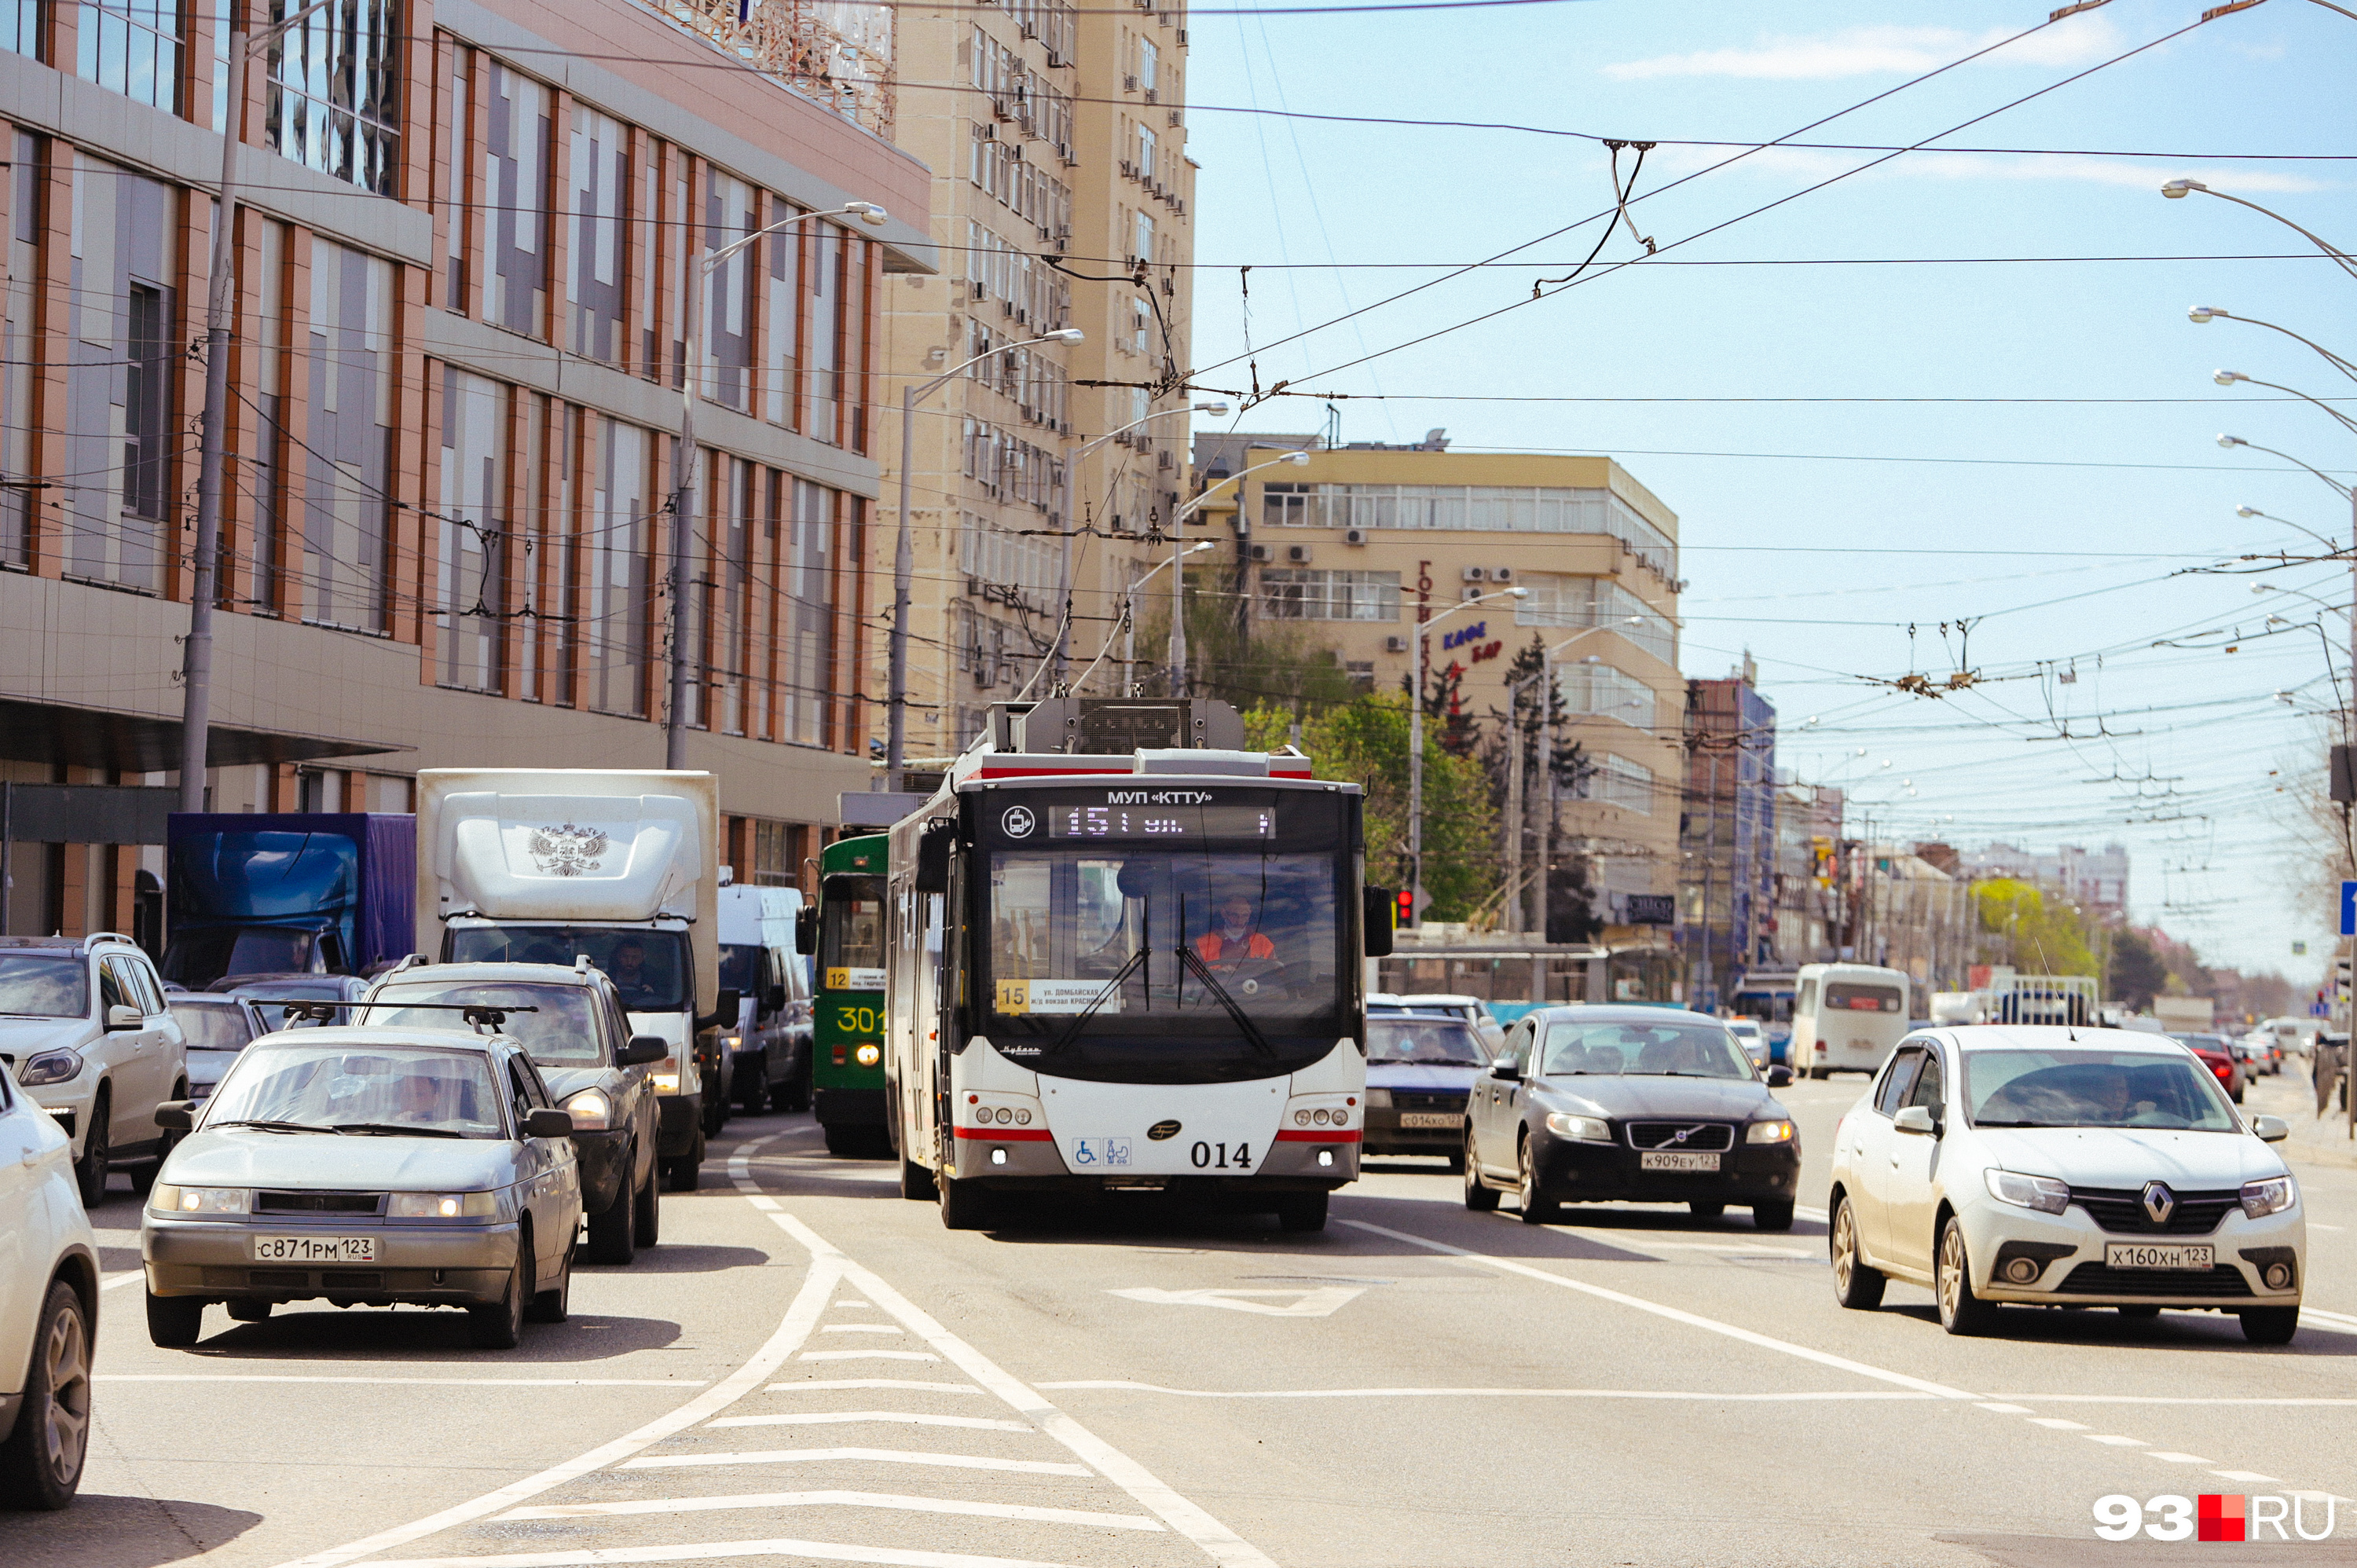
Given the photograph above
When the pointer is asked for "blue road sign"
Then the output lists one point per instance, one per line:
(2349, 908)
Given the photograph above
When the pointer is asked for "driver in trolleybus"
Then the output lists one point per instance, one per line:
(1234, 935)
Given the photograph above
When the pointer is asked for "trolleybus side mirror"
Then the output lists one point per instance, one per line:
(1376, 906)
(806, 930)
(933, 856)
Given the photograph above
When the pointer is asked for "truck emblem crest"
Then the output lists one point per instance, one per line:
(567, 850)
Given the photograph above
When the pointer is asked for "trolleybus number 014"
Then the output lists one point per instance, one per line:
(1217, 1157)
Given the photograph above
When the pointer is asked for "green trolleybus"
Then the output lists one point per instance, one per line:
(847, 1060)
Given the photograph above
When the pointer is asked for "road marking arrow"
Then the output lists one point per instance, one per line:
(1319, 1302)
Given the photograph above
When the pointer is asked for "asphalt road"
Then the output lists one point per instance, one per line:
(811, 1369)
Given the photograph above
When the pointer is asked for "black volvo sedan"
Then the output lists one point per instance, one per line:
(1599, 1104)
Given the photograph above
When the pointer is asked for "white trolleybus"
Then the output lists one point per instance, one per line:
(1125, 954)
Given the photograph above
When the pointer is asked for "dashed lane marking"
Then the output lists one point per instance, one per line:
(2055, 1424)
(830, 1383)
(2111, 1441)
(837, 1498)
(868, 1356)
(422, 1383)
(704, 1552)
(2167, 1458)
(1677, 1314)
(829, 1455)
(1838, 1395)
(853, 1417)
(858, 1327)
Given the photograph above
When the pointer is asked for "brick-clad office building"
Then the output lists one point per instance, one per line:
(462, 268)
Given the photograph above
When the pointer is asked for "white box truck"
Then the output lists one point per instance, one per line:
(522, 866)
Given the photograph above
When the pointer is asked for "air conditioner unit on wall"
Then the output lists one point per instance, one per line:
(1470, 593)
(1476, 573)
(1298, 553)
(1395, 644)
(1502, 574)
(1264, 552)
(1354, 536)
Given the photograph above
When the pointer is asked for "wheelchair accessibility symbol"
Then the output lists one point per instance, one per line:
(1093, 1153)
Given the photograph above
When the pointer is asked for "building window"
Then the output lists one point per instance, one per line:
(1502, 508)
(1599, 691)
(601, 184)
(335, 92)
(1148, 61)
(1361, 673)
(1295, 592)
(1617, 781)
(20, 27)
(515, 166)
(474, 474)
(131, 46)
(614, 630)
(346, 454)
(727, 350)
(774, 856)
(146, 405)
(1576, 602)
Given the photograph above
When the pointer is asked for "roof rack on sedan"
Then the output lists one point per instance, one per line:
(482, 1014)
(97, 937)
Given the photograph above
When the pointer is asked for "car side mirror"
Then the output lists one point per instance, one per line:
(1779, 1076)
(180, 1116)
(1916, 1119)
(1504, 1067)
(545, 1123)
(933, 847)
(641, 1049)
(2271, 1129)
(122, 1017)
(806, 930)
(1378, 911)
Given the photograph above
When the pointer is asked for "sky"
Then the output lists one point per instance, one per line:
(1922, 467)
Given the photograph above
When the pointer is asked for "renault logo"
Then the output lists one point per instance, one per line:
(2159, 1202)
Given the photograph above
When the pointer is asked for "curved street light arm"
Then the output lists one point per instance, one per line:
(2337, 363)
(2339, 488)
(2346, 261)
(2348, 424)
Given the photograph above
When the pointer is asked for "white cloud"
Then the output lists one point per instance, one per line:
(1875, 51)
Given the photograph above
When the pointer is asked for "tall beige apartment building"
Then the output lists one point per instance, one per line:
(1062, 197)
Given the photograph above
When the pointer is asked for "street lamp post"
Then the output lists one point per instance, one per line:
(1415, 742)
(1178, 581)
(1129, 609)
(2202, 314)
(682, 519)
(1064, 571)
(221, 300)
(904, 554)
(2178, 189)
(2228, 377)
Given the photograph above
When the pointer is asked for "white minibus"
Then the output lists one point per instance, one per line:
(1846, 1018)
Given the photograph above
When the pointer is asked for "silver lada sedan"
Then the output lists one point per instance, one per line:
(367, 1165)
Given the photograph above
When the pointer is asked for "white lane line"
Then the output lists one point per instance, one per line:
(1127, 1385)
(835, 1455)
(122, 1279)
(817, 1384)
(859, 1328)
(2165, 1398)
(815, 1551)
(1806, 1212)
(868, 1356)
(2055, 1424)
(2005, 1408)
(836, 1499)
(1677, 1314)
(423, 1382)
(2245, 1475)
(851, 1417)
(1623, 1240)
(2110, 1441)
(2168, 1459)
(2308, 1311)
(1218, 1542)
(809, 1302)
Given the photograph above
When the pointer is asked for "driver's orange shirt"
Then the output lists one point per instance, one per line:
(1212, 947)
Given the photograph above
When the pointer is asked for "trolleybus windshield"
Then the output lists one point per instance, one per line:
(850, 933)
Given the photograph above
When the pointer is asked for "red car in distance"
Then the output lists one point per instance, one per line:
(2217, 1054)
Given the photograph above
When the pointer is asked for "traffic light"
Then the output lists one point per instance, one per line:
(1404, 907)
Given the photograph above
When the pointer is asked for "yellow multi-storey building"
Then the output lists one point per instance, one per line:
(1361, 545)
(1062, 200)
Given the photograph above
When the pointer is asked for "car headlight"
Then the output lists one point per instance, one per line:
(166, 1198)
(1379, 1099)
(1770, 1132)
(734, 1042)
(868, 1056)
(50, 1067)
(591, 1111)
(442, 1205)
(1583, 1129)
(2272, 1196)
(666, 1082)
(2042, 1193)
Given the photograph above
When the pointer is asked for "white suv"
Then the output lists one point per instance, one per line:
(84, 1029)
(49, 1310)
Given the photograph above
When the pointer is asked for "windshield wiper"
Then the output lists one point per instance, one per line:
(387, 1129)
(1193, 961)
(269, 1126)
(1080, 1020)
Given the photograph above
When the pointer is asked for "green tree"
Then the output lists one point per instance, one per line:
(1365, 741)
(2137, 973)
(2041, 936)
(1273, 662)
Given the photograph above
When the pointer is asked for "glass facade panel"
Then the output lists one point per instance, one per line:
(614, 633)
(131, 46)
(1617, 781)
(725, 352)
(347, 450)
(1578, 602)
(515, 179)
(601, 184)
(1296, 593)
(20, 27)
(474, 481)
(1599, 691)
(334, 100)
(1515, 509)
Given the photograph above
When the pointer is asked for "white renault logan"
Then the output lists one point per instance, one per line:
(2058, 1167)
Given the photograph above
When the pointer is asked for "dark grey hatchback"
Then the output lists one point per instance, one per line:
(1600, 1104)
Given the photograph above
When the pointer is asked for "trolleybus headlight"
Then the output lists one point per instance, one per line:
(1023, 1118)
(1301, 1118)
(868, 1056)
(998, 1156)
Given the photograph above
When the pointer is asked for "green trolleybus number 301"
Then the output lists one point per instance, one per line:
(845, 935)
